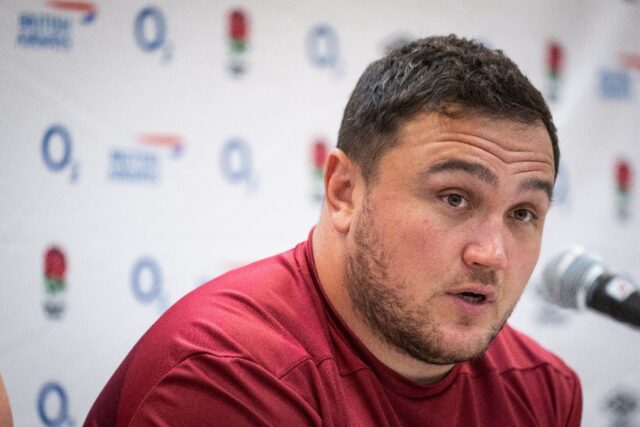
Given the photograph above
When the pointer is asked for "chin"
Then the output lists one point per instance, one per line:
(461, 345)
(466, 351)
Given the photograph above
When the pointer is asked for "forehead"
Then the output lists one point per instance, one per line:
(501, 143)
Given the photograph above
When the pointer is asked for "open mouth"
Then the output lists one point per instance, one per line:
(472, 297)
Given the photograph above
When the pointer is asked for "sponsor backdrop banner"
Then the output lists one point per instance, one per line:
(148, 146)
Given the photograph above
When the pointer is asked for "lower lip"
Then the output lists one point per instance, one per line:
(472, 308)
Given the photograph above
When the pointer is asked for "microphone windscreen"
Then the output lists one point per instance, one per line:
(568, 276)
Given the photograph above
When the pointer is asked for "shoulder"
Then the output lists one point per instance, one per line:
(266, 312)
(229, 390)
(247, 329)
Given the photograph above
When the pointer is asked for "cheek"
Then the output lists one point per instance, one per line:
(422, 246)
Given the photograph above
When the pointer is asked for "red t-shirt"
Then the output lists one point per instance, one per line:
(262, 345)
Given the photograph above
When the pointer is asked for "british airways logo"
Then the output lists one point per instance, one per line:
(86, 9)
(618, 82)
(630, 61)
(615, 84)
(48, 30)
(144, 164)
(173, 142)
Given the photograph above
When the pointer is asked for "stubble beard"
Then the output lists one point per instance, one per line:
(408, 327)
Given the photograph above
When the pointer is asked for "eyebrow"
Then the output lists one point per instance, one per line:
(538, 184)
(475, 169)
(483, 173)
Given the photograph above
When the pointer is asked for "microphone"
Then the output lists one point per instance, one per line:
(577, 279)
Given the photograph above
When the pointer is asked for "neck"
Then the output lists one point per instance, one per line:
(329, 255)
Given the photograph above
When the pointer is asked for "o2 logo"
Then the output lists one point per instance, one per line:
(236, 164)
(150, 31)
(323, 48)
(57, 151)
(146, 283)
(53, 405)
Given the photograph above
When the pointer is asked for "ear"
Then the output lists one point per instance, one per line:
(340, 182)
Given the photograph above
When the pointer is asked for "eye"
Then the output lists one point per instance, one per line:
(455, 200)
(524, 215)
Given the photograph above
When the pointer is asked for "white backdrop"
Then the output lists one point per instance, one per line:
(147, 147)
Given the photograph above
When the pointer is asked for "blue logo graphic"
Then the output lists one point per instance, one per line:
(615, 84)
(57, 148)
(150, 30)
(323, 46)
(236, 163)
(146, 283)
(173, 142)
(133, 166)
(53, 405)
(44, 30)
(51, 31)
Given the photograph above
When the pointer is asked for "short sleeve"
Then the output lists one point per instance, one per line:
(223, 391)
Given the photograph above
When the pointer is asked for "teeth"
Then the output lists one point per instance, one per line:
(471, 297)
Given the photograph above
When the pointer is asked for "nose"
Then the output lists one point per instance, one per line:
(486, 249)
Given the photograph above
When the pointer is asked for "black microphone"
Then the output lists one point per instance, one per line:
(577, 279)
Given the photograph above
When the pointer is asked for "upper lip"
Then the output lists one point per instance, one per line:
(488, 291)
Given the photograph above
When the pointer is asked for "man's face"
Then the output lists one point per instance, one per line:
(446, 236)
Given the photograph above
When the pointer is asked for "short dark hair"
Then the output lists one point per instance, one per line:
(444, 74)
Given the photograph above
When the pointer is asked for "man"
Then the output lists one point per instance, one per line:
(393, 312)
(6, 419)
